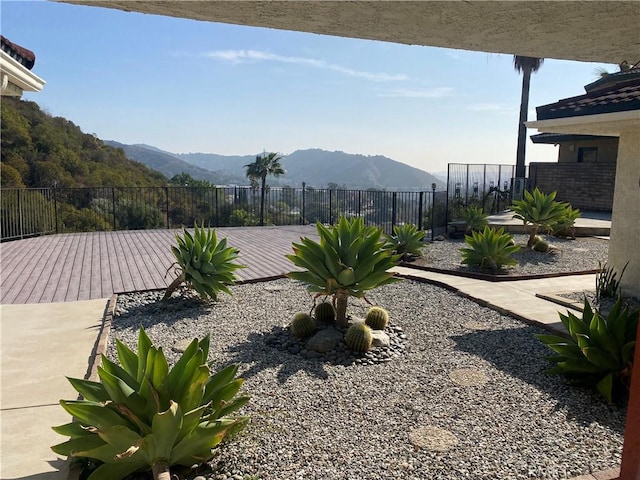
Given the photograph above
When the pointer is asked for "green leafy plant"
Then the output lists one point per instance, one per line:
(324, 312)
(566, 224)
(303, 325)
(203, 263)
(607, 283)
(349, 260)
(359, 337)
(377, 318)
(599, 350)
(406, 241)
(490, 248)
(475, 219)
(143, 414)
(538, 210)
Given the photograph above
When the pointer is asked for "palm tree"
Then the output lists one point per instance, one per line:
(526, 65)
(265, 164)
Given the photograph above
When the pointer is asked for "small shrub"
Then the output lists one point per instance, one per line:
(359, 337)
(302, 325)
(143, 414)
(475, 219)
(538, 210)
(607, 285)
(489, 249)
(377, 318)
(406, 241)
(565, 226)
(324, 312)
(599, 350)
(203, 263)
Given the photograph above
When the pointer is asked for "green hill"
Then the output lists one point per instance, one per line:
(39, 150)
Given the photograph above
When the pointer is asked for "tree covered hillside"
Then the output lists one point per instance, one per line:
(39, 150)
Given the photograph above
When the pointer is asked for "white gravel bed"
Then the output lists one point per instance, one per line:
(567, 255)
(467, 370)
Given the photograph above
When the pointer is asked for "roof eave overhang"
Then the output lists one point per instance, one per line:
(610, 124)
(13, 72)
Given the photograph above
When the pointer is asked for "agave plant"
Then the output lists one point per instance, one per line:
(475, 219)
(406, 241)
(538, 210)
(142, 414)
(350, 259)
(490, 248)
(599, 351)
(565, 226)
(203, 263)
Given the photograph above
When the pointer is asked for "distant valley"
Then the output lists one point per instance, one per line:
(315, 167)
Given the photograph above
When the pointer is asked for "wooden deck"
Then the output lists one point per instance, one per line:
(85, 266)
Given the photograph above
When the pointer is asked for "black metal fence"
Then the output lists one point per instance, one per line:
(39, 211)
(488, 186)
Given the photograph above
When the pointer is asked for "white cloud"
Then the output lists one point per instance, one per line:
(492, 108)
(438, 92)
(243, 56)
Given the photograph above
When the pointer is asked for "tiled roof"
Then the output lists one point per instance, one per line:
(20, 54)
(619, 96)
(613, 78)
(554, 138)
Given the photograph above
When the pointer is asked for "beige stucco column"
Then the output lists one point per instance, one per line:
(624, 245)
(625, 220)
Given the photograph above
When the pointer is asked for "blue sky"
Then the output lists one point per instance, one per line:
(188, 86)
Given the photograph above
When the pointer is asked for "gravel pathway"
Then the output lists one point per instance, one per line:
(467, 399)
(567, 256)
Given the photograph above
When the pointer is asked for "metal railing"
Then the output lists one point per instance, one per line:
(488, 186)
(39, 211)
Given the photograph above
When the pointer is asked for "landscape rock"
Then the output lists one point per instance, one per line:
(380, 339)
(324, 341)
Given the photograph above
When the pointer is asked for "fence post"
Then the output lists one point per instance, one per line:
(20, 223)
(215, 202)
(330, 207)
(303, 203)
(166, 192)
(446, 203)
(113, 206)
(55, 206)
(393, 210)
(433, 210)
(421, 199)
(466, 189)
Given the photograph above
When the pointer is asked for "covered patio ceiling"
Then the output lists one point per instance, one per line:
(593, 31)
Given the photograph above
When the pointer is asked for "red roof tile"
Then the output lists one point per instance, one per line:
(24, 56)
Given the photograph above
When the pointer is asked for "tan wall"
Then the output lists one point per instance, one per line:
(587, 186)
(607, 150)
(625, 219)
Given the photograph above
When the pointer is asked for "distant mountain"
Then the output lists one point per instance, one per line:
(315, 167)
(170, 164)
(319, 168)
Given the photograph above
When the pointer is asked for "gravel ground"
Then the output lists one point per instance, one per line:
(566, 256)
(469, 388)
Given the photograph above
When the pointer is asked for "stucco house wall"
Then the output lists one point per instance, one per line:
(607, 151)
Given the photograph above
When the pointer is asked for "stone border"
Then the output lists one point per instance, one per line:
(560, 300)
(495, 278)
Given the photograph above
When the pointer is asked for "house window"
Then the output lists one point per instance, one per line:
(588, 154)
